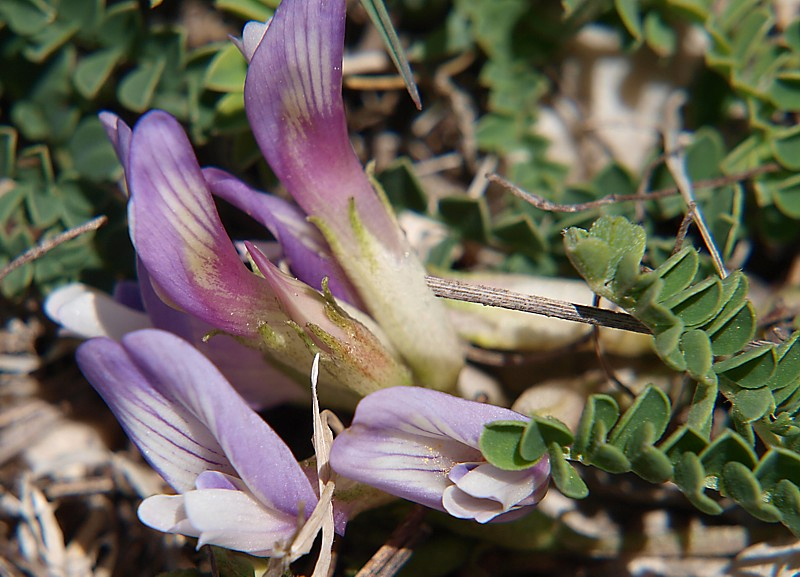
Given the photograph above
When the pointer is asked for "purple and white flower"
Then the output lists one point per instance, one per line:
(238, 484)
(423, 445)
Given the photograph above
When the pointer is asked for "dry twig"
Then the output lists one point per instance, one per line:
(42, 249)
(502, 298)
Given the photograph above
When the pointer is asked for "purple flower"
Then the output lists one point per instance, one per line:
(423, 446)
(239, 485)
(194, 267)
(293, 98)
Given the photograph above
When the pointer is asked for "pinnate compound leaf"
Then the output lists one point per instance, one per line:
(564, 475)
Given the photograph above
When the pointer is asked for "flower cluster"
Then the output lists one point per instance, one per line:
(212, 332)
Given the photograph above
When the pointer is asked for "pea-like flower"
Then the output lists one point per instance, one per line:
(423, 446)
(238, 484)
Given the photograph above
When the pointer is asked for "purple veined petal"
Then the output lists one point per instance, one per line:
(259, 457)
(293, 98)
(252, 34)
(406, 440)
(175, 443)
(178, 234)
(306, 250)
(258, 382)
(119, 134)
(236, 520)
(88, 312)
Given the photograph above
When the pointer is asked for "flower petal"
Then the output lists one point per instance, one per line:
(89, 312)
(235, 520)
(175, 443)
(405, 441)
(178, 234)
(293, 98)
(259, 457)
(166, 513)
(306, 250)
(252, 34)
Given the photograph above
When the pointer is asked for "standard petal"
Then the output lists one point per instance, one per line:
(293, 98)
(175, 443)
(252, 34)
(405, 441)
(260, 458)
(89, 313)
(306, 250)
(236, 520)
(178, 234)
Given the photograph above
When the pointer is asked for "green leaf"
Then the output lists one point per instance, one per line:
(532, 444)
(786, 195)
(8, 152)
(521, 232)
(628, 11)
(381, 20)
(500, 444)
(751, 369)
(685, 439)
(667, 344)
(785, 144)
(696, 349)
(553, 430)
(701, 410)
(93, 71)
(786, 498)
(92, 154)
(651, 408)
(659, 35)
(752, 404)
(227, 70)
(785, 91)
(26, 17)
(49, 39)
(136, 90)
(690, 478)
(564, 475)
(697, 304)
(248, 9)
(609, 458)
(732, 335)
(778, 464)
(788, 357)
(469, 216)
(741, 485)
(726, 448)
(599, 409)
(678, 272)
(402, 186)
